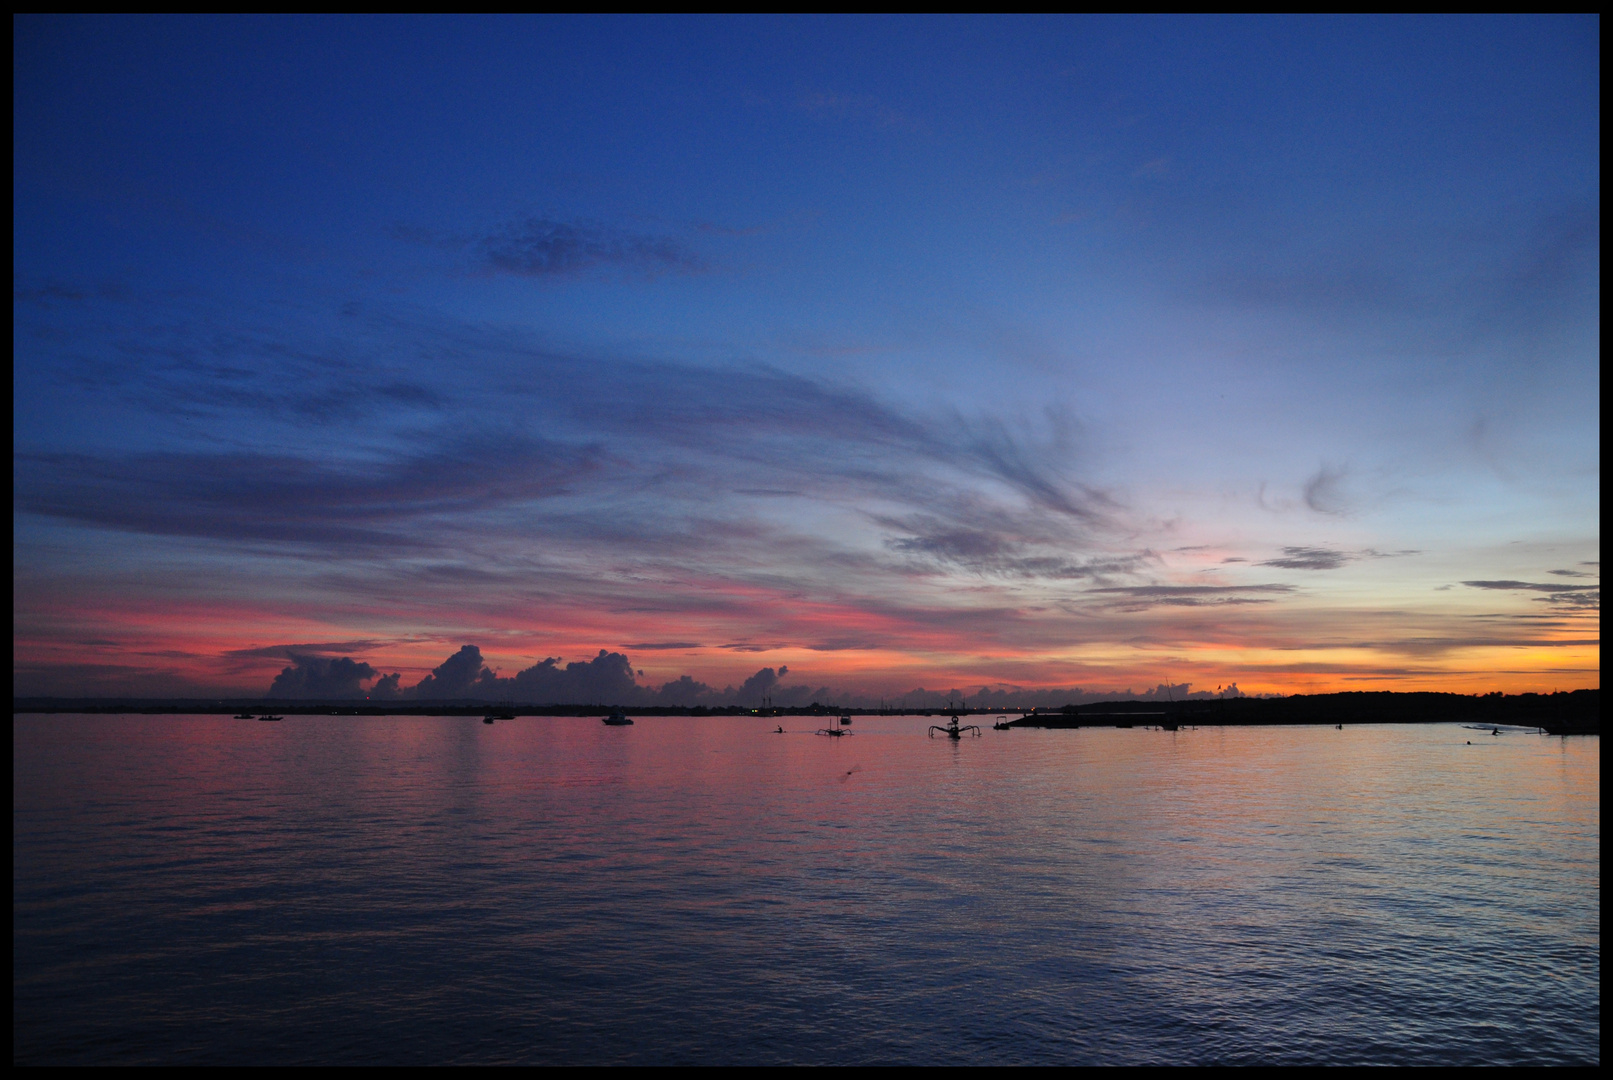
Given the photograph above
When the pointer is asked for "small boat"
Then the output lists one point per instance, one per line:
(617, 718)
(271, 719)
(244, 716)
(845, 721)
(488, 719)
(953, 731)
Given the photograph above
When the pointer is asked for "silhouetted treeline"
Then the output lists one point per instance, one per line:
(1575, 711)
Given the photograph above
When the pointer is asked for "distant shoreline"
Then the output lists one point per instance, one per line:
(1569, 712)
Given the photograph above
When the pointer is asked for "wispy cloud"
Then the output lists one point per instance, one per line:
(544, 247)
(1530, 586)
(1442, 645)
(259, 497)
(292, 652)
(844, 645)
(1588, 601)
(984, 540)
(1308, 558)
(1569, 597)
(607, 487)
(1324, 491)
(1140, 597)
(1321, 558)
(547, 247)
(387, 452)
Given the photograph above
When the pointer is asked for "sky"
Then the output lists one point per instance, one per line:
(695, 360)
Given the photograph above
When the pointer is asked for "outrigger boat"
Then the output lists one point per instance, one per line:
(953, 731)
(836, 732)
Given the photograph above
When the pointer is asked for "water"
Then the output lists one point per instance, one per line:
(433, 890)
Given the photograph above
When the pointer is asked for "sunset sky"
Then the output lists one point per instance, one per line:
(945, 353)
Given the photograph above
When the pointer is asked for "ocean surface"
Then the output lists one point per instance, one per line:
(197, 889)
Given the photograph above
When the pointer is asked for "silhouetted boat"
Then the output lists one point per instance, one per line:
(953, 731)
(244, 716)
(617, 718)
(845, 721)
(272, 719)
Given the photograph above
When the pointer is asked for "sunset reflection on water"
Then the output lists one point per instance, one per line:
(421, 889)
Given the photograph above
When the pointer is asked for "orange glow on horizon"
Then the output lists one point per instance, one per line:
(208, 646)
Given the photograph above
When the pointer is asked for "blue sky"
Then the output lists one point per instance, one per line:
(962, 352)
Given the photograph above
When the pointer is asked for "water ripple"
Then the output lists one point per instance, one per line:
(408, 890)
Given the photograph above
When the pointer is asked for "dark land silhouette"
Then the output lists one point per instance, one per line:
(1569, 712)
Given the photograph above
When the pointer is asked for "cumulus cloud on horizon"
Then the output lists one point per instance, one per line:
(316, 677)
(608, 679)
